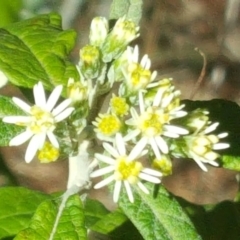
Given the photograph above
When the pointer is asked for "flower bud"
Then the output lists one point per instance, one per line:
(77, 91)
(48, 153)
(122, 34)
(98, 31)
(90, 61)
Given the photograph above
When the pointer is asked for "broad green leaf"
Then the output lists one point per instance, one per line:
(131, 8)
(70, 226)
(17, 206)
(8, 131)
(109, 222)
(114, 224)
(227, 113)
(159, 218)
(94, 211)
(37, 49)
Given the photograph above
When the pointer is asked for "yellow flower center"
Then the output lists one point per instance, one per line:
(125, 30)
(119, 106)
(127, 170)
(42, 121)
(109, 125)
(202, 146)
(151, 122)
(164, 165)
(139, 76)
(48, 153)
(89, 54)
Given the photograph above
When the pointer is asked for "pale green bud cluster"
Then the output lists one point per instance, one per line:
(201, 142)
(105, 46)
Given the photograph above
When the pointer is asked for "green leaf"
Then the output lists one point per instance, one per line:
(37, 49)
(8, 131)
(94, 211)
(8, 107)
(131, 8)
(109, 222)
(70, 226)
(231, 162)
(17, 206)
(227, 113)
(159, 218)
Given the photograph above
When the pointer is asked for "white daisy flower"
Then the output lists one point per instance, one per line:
(41, 120)
(153, 123)
(201, 146)
(138, 75)
(126, 169)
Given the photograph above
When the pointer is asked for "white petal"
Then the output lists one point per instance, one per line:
(131, 135)
(134, 115)
(152, 172)
(17, 119)
(214, 163)
(155, 148)
(35, 143)
(154, 75)
(105, 159)
(102, 171)
(138, 149)
(116, 191)
(170, 134)
(120, 144)
(39, 95)
(111, 150)
(53, 139)
(219, 146)
(177, 130)
(149, 178)
(211, 128)
(21, 138)
(20, 103)
(178, 114)
(162, 144)
(143, 188)
(63, 105)
(145, 62)
(104, 182)
(167, 100)
(53, 98)
(222, 135)
(158, 98)
(129, 191)
(135, 54)
(200, 164)
(66, 113)
(141, 102)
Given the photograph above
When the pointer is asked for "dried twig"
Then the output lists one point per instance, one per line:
(202, 74)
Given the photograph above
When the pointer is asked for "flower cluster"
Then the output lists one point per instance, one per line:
(144, 112)
(142, 126)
